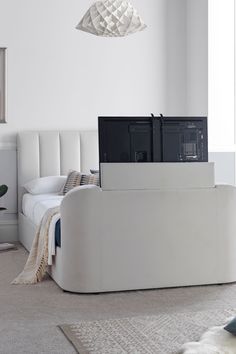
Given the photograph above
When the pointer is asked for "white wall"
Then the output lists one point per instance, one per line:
(61, 78)
(187, 57)
(197, 57)
(221, 98)
(221, 74)
(176, 74)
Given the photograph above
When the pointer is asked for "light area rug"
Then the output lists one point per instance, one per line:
(161, 334)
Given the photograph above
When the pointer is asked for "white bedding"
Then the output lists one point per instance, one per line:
(34, 206)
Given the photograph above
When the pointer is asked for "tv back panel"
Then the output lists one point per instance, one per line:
(185, 139)
(153, 139)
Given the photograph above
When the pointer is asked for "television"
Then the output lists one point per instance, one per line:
(153, 139)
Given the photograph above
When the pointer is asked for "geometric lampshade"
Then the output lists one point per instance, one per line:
(111, 18)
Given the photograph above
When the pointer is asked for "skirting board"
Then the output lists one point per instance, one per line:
(8, 230)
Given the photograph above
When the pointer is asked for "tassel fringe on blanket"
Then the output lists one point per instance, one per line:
(36, 265)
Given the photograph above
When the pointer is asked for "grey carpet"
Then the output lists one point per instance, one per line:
(29, 315)
(160, 334)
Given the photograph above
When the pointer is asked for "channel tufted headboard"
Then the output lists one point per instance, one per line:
(52, 153)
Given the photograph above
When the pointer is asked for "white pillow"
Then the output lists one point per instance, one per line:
(44, 185)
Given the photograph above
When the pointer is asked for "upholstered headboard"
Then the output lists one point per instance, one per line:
(52, 153)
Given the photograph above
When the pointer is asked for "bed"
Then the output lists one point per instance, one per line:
(49, 153)
(127, 239)
(34, 206)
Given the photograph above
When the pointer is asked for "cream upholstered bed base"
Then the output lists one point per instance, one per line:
(133, 239)
(46, 153)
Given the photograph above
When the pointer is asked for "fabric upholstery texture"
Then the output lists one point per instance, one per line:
(76, 179)
(126, 238)
(73, 180)
(52, 153)
(90, 179)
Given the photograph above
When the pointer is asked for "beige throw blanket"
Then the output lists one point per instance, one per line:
(36, 265)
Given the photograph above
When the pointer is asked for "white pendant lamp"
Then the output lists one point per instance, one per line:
(111, 18)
